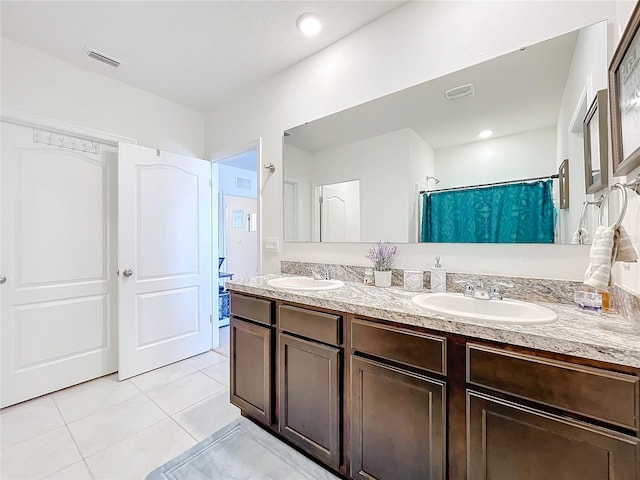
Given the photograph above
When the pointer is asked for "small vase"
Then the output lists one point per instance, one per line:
(383, 279)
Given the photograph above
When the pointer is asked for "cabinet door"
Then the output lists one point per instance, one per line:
(397, 423)
(251, 378)
(309, 395)
(507, 441)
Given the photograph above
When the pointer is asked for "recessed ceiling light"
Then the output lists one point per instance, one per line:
(485, 134)
(309, 23)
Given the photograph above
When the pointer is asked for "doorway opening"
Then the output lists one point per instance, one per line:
(235, 234)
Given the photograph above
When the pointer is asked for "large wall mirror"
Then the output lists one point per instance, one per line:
(394, 168)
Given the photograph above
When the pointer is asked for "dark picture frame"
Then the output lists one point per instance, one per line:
(596, 144)
(563, 183)
(624, 85)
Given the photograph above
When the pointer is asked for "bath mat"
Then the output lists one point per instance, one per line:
(240, 450)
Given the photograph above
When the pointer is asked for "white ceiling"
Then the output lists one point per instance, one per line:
(196, 53)
(514, 93)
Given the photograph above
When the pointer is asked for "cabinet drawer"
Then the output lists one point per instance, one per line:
(320, 326)
(399, 345)
(600, 394)
(251, 308)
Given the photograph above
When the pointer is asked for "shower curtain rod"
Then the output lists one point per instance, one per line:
(532, 179)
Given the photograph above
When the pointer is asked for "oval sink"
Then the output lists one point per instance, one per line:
(304, 283)
(511, 311)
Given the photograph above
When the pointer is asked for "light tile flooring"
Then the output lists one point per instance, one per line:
(105, 429)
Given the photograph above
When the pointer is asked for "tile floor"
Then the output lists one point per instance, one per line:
(105, 429)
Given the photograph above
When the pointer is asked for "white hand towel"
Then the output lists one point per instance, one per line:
(626, 252)
(598, 272)
(580, 237)
(610, 245)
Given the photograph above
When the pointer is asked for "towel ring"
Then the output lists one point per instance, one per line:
(623, 209)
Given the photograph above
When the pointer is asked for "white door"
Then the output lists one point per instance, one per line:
(164, 258)
(340, 212)
(242, 237)
(57, 253)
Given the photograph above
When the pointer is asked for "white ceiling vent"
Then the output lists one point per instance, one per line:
(460, 92)
(101, 57)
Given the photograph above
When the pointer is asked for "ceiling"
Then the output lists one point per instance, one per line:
(514, 93)
(196, 53)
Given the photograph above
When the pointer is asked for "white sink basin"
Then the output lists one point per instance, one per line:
(510, 311)
(304, 283)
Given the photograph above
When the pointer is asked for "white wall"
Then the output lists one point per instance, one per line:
(586, 77)
(298, 171)
(39, 84)
(414, 43)
(421, 165)
(522, 155)
(380, 163)
(385, 165)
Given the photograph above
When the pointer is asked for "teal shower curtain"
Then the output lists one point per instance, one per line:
(511, 213)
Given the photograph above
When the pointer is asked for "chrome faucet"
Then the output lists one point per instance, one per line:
(476, 289)
(321, 274)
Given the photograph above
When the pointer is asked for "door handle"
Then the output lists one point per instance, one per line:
(2, 279)
(128, 272)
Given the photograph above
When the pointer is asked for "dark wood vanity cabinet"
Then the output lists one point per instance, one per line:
(397, 423)
(398, 416)
(251, 356)
(310, 377)
(508, 439)
(310, 397)
(377, 400)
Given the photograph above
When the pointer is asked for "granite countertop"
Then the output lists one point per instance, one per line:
(605, 337)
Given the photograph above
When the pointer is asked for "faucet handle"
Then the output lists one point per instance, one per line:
(494, 290)
(470, 286)
(322, 273)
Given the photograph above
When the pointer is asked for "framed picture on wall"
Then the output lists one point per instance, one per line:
(563, 182)
(596, 146)
(624, 92)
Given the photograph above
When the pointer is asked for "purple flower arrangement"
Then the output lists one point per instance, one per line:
(382, 255)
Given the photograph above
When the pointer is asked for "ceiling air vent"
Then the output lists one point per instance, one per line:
(244, 183)
(101, 57)
(460, 92)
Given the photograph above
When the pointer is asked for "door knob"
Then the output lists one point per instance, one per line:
(128, 272)
(2, 279)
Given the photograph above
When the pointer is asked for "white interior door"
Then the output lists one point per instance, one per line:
(242, 241)
(164, 258)
(57, 253)
(340, 212)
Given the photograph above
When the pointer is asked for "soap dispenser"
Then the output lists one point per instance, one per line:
(438, 277)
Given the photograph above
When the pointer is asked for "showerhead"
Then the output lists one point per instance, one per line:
(432, 178)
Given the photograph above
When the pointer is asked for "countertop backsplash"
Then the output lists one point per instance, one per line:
(626, 303)
(532, 289)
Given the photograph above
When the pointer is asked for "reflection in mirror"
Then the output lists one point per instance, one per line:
(533, 101)
(596, 145)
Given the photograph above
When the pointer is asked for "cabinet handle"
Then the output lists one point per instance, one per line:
(128, 272)
(3, 279)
